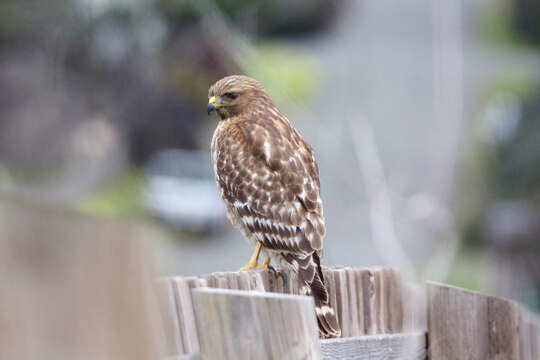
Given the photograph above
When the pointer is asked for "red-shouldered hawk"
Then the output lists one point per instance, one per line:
(269, 180)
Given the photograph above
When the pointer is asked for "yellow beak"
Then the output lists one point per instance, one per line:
(212, 105)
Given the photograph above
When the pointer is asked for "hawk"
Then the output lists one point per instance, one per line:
(269, 180)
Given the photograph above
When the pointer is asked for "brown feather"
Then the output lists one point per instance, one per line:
(269, 179)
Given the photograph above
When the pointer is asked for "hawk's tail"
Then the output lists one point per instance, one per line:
(310, 273)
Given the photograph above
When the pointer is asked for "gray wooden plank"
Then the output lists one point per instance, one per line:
(360, 291)
(369, 291)
(196, 356)
(234, 324)
(354, 303)
(74, 286)
(525, 337)
(504, 321)
(256, 281)
(534, 338)
(390, 301)
(366, 300)
(464, 324)
(188, 331)
(342, 295)
(530, 336)
(169, 315)
(410, 346)
(414, 308)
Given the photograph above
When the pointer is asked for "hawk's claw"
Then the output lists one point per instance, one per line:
(254, 261)
(272, 269)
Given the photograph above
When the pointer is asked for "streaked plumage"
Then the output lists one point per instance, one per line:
(269, 180)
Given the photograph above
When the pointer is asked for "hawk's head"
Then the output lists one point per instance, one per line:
(236, 94)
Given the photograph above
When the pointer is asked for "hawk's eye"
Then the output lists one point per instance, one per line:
(231, 95)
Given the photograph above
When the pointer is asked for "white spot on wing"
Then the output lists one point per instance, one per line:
(267, 149)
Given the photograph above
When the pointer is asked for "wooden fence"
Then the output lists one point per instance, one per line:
(78, 287)
(253, 315)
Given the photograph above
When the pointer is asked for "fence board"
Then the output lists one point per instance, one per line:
(411, 346)
(367, 300)
(196, 356)
(169, 315)
(534, 328)
(186, 317)
(530, 336)
(235, 324)
(414, 308)
(467, 325)
(75, 287)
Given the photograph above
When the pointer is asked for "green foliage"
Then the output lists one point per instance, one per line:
(177, 10)
(288, 76)
(511, 23)
(518, 171)
(469, 272)
(233, 7)
(522, 89)
(7, 179)
(19, 18)
(183, 11)
(496, 25)
(121, 198)
(483, 163)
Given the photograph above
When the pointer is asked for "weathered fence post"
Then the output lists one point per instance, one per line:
(369, 301)
(410, 346)
(530, 336)
(464, 324)
(235, 324)
(74, 287)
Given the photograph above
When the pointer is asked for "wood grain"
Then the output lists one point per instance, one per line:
(184, 306)
(235, 324)
(467, 325)
(414, 308)
(169, 315)
(530, 336)
(534, 338)
(75, 287)
(367, 300)
(410, 346)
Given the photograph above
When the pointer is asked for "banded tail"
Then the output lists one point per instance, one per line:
(310, 274)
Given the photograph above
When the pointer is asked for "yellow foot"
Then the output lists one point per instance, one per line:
(253, 265)
(272, 269)
(250, 265)
(254, 261)
(266, 265)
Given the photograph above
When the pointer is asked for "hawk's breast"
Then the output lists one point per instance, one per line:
(269, 182)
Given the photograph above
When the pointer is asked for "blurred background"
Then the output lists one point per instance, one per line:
(424, 117)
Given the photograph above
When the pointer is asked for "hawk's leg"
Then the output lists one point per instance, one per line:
(254, 261)
(266, 265)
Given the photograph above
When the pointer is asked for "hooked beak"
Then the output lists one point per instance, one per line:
(212, 105)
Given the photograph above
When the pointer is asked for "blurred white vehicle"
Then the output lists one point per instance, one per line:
(181, 190)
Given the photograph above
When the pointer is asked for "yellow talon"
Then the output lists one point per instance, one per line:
(249, 266)
(266, 265)
(254, 261)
